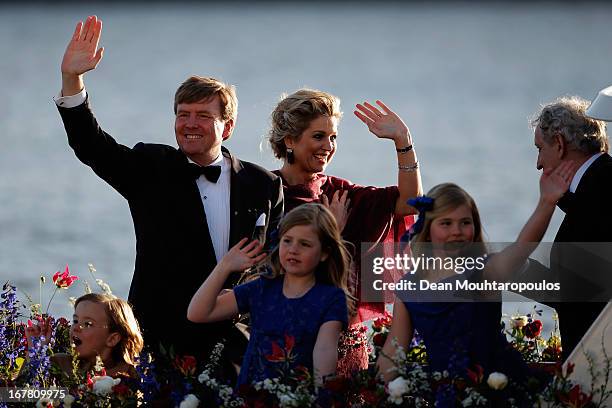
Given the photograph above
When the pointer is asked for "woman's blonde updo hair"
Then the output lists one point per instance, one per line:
(120, 320)
(294, 113)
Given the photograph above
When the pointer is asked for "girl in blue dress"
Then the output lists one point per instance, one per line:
(297, 306)
(459, 335)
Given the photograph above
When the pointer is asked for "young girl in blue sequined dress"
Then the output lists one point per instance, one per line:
(297, 306)
(459, 335)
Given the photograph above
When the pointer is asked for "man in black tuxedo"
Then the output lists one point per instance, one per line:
(563, 131)
(189, 205)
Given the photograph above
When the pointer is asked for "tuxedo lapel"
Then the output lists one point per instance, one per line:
(566, 202)
(242, 217)
(572, 204)
(237, 197)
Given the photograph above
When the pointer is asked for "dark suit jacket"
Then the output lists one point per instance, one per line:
(174, 252)
(582, 270)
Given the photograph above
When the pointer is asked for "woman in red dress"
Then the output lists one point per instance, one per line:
(303, 135)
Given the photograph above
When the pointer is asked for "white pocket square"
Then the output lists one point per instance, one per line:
(261, 221)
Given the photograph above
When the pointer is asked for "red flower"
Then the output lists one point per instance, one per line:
(576, 398)
(379, 339)
(477, 375)
(64, 280)
(280, 355)
(186, 365)
(533, 329)
(370, 397)
(121, 389)
(302, 373)
(460, 384)
(289, 343)
(382, 322)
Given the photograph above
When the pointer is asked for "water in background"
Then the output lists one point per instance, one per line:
(465, 78)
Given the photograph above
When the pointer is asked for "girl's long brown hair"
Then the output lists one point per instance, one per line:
(334, 270)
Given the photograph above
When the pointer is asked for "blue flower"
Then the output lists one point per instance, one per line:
(10, 337)
(40, 362)
(146, 371)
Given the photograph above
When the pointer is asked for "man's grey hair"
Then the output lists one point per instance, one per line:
(566, 116)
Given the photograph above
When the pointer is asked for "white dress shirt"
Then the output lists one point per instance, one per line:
(216, 200)
(71, 101)
(215, 196)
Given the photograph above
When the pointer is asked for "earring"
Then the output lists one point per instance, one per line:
(290, 156)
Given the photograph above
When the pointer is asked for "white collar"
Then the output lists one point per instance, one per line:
(217, 162)
(581, 171)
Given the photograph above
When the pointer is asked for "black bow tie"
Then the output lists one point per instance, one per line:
(211, 173)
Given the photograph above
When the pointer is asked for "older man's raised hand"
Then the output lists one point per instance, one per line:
(82, 55)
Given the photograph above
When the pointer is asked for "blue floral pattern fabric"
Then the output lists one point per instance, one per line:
(274, 317)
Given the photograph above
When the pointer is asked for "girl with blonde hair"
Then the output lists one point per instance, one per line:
(103, 326)
(460, 334)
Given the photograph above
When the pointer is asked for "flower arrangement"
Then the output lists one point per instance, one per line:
(181, 381)
(525, 335)
(380, 331)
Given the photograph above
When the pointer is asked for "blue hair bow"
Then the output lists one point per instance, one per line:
(422, 204)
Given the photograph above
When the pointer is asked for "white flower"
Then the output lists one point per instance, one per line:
(497, 381)
(203, 377)
(105, 287)
(286, 400)
(268, 384)
(518, 321)
(68, 400)
(190, 401)
(474, 399)
(44, 403)
(397, 388)
(103, 385)
(99, 366)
